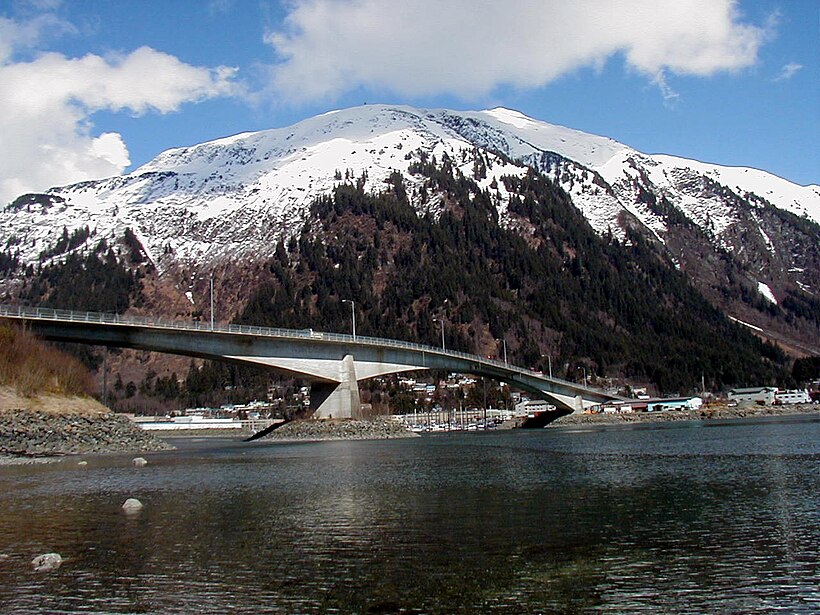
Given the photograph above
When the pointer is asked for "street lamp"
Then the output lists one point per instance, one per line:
(585, 375)
(353, 314)
(212, 299)
(504, 342)
(549, 362)
(441, 322)
(211, 290)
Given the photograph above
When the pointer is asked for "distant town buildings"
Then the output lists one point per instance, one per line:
(529, 407)
(797, 396)
(769, 396)
(763, 395)
(647, 404)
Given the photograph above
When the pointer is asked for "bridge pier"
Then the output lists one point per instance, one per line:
(338, 400)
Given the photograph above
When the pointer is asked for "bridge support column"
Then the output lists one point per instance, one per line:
(337, 400)
(578, 406)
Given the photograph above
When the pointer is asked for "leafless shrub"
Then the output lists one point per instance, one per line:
(32, 367)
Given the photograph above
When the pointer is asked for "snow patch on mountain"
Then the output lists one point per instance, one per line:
(767, 293)
(236, 196)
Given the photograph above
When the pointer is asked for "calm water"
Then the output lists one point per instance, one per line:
(681, 518)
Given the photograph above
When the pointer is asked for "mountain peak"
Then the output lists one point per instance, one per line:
(235, 197)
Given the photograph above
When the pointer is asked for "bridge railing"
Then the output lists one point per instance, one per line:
(39, 313)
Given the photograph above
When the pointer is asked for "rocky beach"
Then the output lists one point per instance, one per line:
(44, 427)
(377, 428)
(704, 414)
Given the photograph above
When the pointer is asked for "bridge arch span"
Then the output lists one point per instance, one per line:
(333, 362)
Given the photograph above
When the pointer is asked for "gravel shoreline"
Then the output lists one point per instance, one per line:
(705, 414)
(28, 436)
(377, 428)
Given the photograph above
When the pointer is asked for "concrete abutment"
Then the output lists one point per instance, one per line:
(337, 400)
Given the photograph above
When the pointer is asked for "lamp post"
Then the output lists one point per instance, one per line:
(212, 299)
(441, 322)
(585, 375)
(504, 344)
(549, 362)
(353, 314)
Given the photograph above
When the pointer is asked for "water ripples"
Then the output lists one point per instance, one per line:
(668, 520)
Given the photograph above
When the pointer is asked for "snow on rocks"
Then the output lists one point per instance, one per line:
(235, 196)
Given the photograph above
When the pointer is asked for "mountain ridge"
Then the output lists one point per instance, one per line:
(232, 198)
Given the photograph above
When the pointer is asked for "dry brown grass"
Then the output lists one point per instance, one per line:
(48, 403)
(33, 368)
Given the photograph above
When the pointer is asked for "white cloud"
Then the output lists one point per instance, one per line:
(788, 71)
(18, 36)
(669, 95)
(469, 47)
(46, 134)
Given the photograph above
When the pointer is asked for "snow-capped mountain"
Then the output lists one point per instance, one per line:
(233, 198)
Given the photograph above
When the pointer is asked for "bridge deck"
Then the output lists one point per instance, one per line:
(274, 347)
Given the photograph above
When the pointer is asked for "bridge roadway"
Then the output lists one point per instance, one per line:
(332, 362)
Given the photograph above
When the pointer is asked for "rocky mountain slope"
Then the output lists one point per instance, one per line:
(747, 239)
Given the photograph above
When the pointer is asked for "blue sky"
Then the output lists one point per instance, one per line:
(93, 88)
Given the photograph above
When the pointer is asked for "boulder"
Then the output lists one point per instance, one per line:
(46, 562)
(140, 462)
(132, 505)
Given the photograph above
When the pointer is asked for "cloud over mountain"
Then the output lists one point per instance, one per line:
(48, 102)
(468, 48)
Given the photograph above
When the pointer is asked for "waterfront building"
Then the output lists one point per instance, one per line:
(762, 395)
(621, 407)
(648, 404)
(673, 403)
(796, 396)
(532, 406)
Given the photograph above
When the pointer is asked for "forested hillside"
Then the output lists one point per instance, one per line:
(534, 278)
(558, 289)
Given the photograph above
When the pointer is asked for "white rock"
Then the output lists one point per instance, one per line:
(132, 505)
(46, 562)
(140, 461)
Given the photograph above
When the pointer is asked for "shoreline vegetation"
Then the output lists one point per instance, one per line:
(46, 408)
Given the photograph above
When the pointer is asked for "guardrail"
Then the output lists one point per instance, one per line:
(39, 313)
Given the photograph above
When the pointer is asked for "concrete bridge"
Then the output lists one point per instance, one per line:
(333, 363)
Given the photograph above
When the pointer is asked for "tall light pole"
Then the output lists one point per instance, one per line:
(353, 314)
(212, 300)
(583, 367)
(504, 343)
(441, 322)
(549, 362)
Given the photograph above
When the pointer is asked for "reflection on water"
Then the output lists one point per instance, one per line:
(690, 518)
